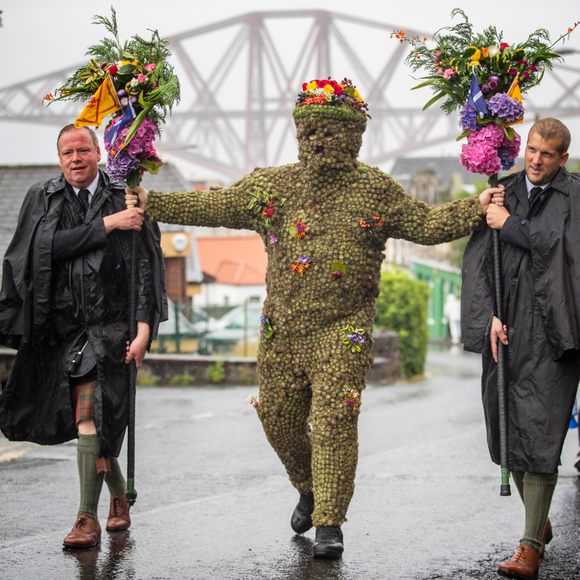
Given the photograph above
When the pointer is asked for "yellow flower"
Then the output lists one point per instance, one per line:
(124, 62)
(357, 95)
(328, 89)
(476, 56)
(311, 86)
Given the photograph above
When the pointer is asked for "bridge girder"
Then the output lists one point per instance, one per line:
(238, 94)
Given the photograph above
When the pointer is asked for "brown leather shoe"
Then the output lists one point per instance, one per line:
(524, 564)
(546, 536)
(86, 533)
(119, 518)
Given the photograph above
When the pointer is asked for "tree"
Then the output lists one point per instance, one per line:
(402, 307)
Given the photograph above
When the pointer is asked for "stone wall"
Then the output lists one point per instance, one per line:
(195, 370)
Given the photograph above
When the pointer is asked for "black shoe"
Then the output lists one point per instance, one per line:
(301, 520)
(328, 543)
(577, 464)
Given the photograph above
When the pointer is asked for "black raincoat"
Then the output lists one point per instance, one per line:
(66, 283)
(540, 249)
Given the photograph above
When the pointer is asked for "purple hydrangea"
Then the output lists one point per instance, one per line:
(126, 161)
(121, 166)
(505, 107)
(507, 162)
(468, 118)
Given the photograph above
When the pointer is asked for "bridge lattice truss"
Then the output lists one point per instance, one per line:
(240, 76)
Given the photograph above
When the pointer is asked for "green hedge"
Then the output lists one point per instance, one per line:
(402, 307)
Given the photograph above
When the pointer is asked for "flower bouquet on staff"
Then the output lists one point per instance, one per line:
(135, 83)
(485, 78)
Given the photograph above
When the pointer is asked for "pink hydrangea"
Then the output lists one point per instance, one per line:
(513, 146)
(480, 157)
(491, 134)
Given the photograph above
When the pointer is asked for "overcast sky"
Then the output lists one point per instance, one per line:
(39, 36)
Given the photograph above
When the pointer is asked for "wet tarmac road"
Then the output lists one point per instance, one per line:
(214, 502)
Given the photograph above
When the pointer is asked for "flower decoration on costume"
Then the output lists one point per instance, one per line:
(272, 238)
(298, 229)
(134, 82)
(372, 224)
(485, 77)
(352, 399)
(301, 265)
(262, 204)
(328, 93)
(254, 400)
(353, 338)
(266, 329)
(337, 271)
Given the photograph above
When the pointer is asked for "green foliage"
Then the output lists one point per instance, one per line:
(147, 379)
(181, 380)
(157, 91)
(402, 307)
(216, 373)
(458, 48)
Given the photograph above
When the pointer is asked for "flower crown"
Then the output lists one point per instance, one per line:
(330, 97)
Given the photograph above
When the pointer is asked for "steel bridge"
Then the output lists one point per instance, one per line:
(240, 77)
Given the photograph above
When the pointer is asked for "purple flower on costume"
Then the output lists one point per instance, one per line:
(265, 327)
(468, 118)
(272, 239)
(353, 338)
(356, 338)
(505, 107)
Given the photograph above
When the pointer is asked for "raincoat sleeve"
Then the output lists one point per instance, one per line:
(477, 290)
(516, 231)
(151, 295)
(73, 242)
(16, 293)
(555, 252)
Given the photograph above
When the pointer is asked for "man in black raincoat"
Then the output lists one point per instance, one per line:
(540, 249)
(64, 304)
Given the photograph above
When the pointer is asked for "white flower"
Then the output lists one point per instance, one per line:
(254, 400)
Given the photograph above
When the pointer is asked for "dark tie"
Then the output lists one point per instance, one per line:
(534, 192)
(84, 199)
